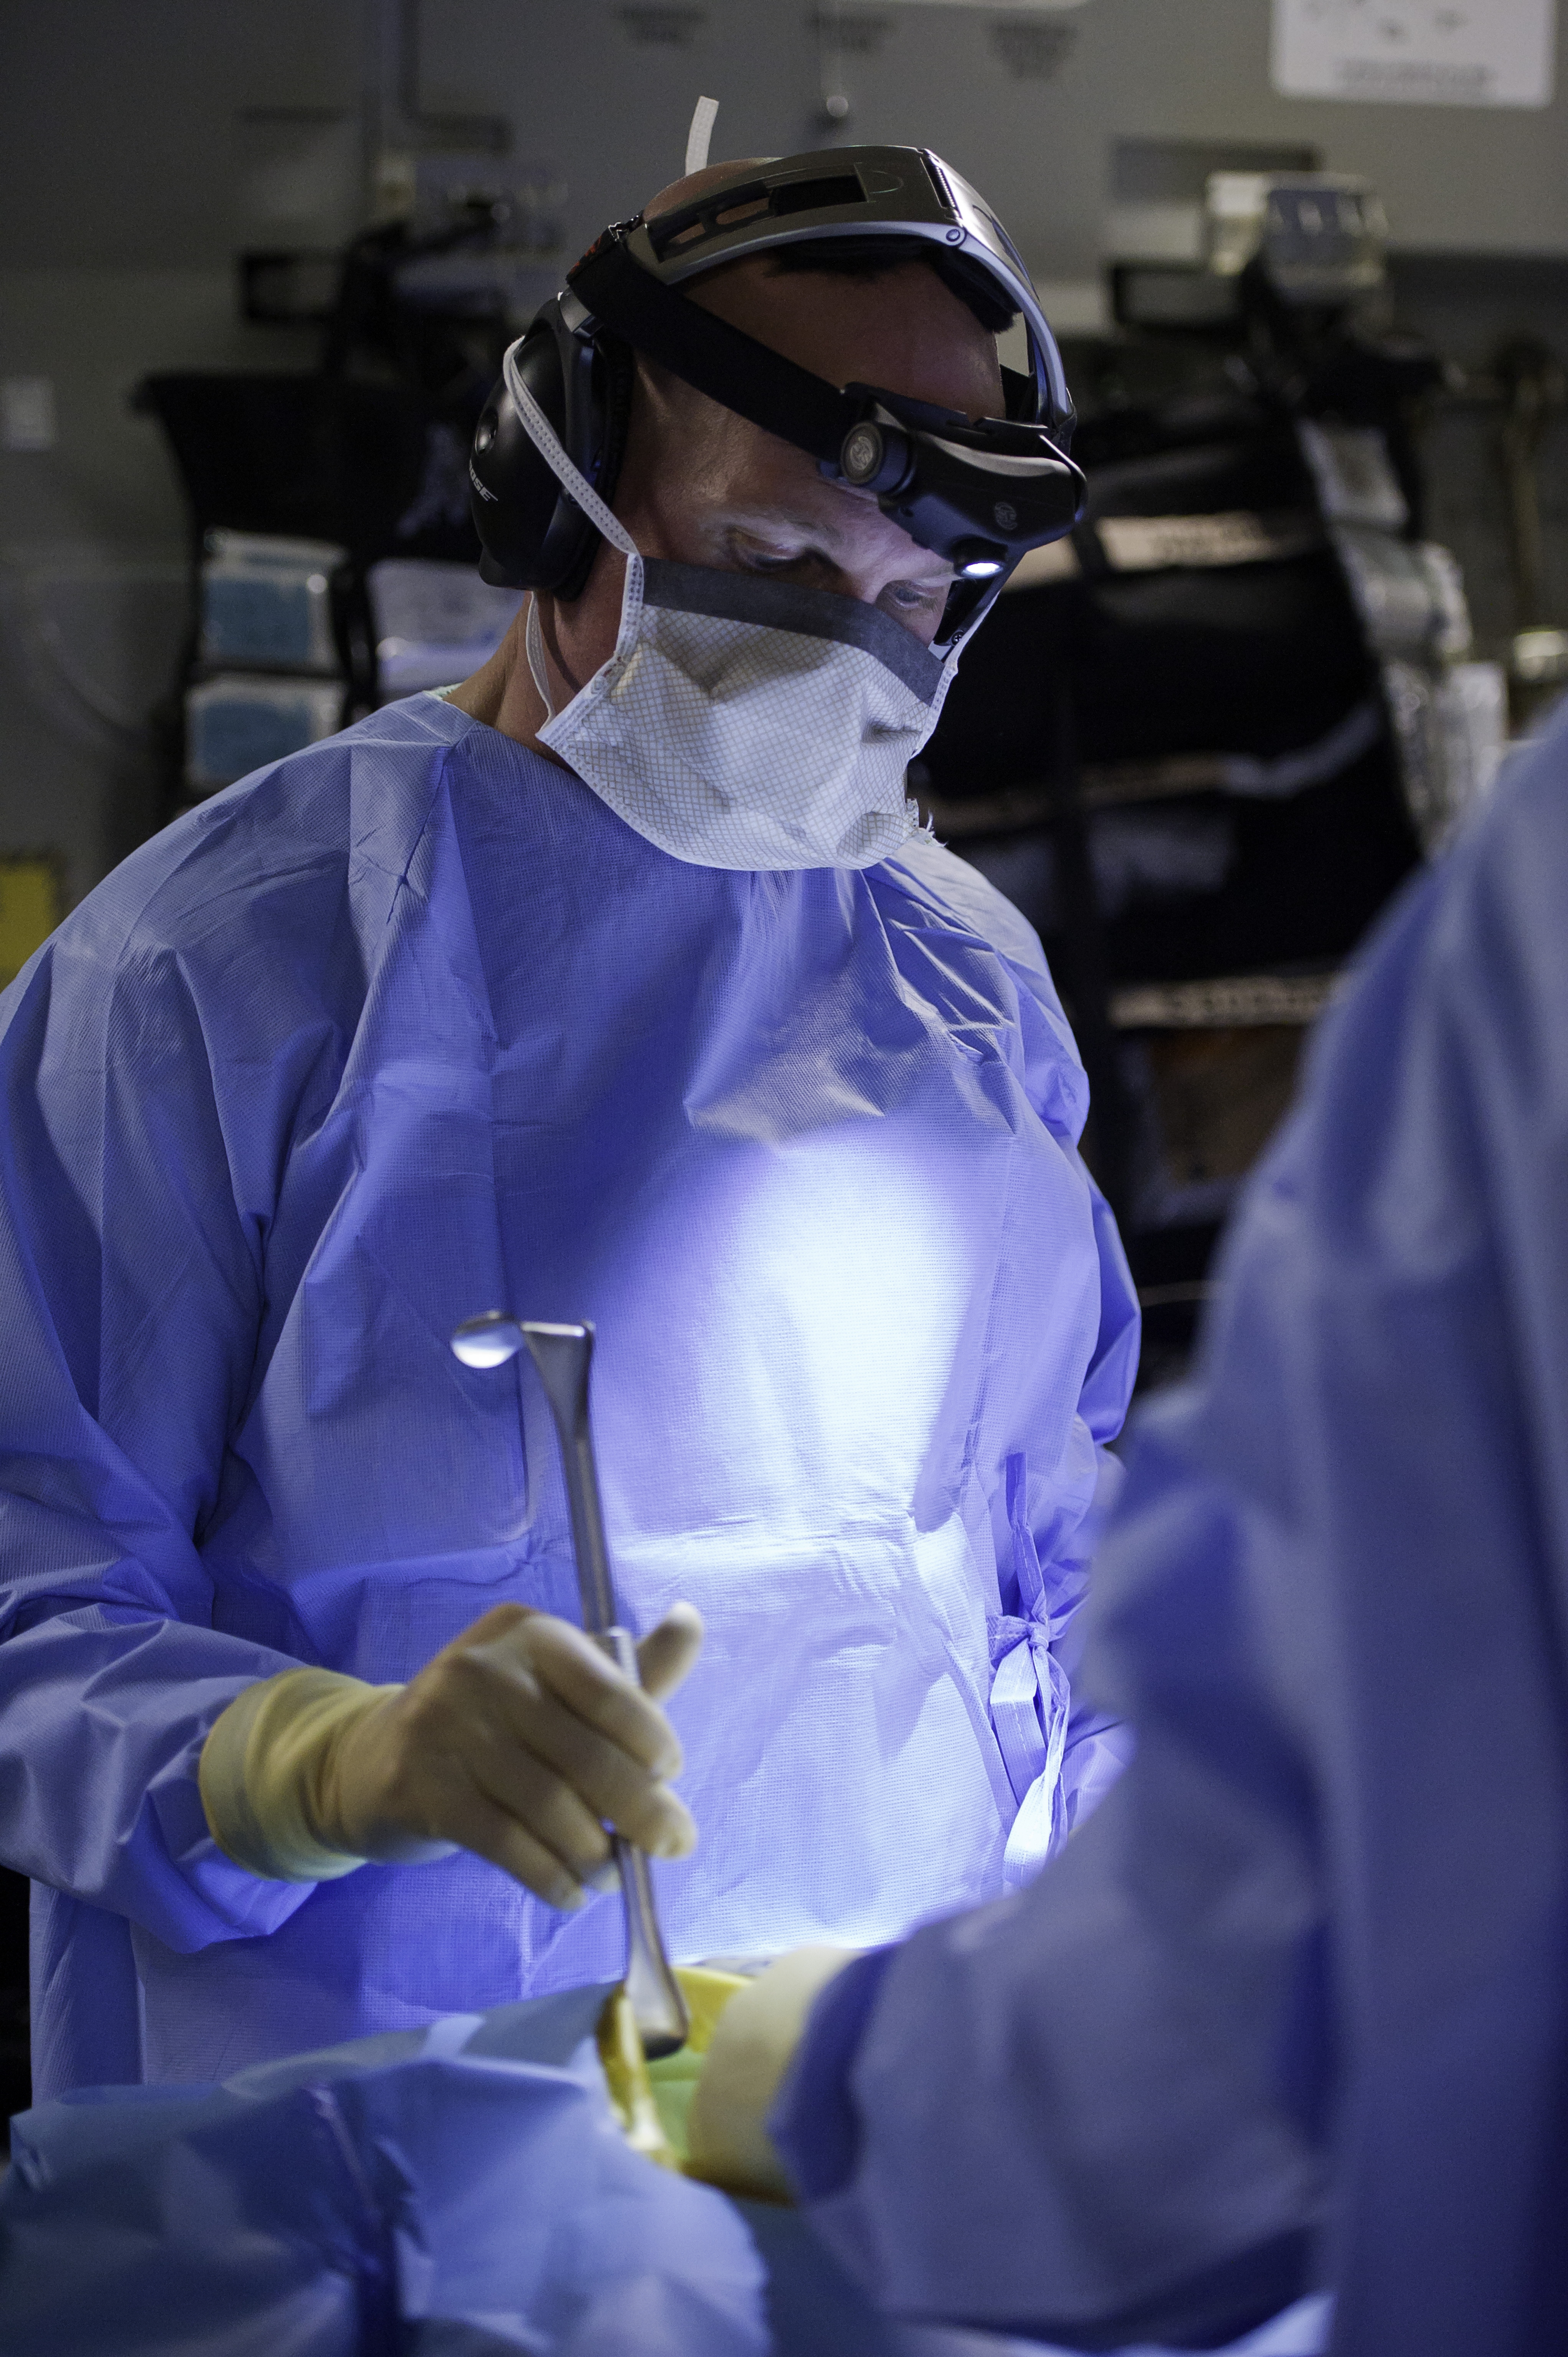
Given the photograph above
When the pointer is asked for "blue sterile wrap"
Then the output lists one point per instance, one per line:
(461, 2190)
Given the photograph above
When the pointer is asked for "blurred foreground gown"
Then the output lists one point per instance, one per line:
(1295, 2005)
(412, 1026)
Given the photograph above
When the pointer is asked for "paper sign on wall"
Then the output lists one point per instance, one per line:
(1418, 52)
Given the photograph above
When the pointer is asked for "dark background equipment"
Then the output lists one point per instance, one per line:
(1201, 744)
(366, 455)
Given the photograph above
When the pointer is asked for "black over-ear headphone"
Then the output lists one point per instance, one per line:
(534, 536)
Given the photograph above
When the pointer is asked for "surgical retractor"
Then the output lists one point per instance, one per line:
(563, 1355)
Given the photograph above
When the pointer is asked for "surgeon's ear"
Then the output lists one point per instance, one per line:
(666, 1653)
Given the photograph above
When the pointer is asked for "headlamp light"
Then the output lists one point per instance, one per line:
(977, 560)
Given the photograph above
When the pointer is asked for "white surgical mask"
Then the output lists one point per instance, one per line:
(743, 722)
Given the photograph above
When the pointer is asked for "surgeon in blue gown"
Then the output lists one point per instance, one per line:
(1293, 2009)
(413, 1025)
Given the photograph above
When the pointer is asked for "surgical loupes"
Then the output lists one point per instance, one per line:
(563, 1355)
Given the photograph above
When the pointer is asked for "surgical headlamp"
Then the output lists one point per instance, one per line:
(979, 492)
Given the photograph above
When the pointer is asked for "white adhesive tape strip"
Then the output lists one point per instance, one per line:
(700, 134)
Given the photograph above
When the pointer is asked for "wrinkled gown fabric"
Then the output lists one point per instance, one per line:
(412, 1025)
(461, 2191)
(1295, 2000)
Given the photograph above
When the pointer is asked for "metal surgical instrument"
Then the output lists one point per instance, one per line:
(563, 1355)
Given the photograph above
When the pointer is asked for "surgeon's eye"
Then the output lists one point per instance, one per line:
(758, 556)
(917, 597)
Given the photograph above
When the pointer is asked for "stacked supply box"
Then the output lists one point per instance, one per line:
(434, 623)
(270, 676)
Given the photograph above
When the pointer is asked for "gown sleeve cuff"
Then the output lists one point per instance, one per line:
(814, 2124)
(261, 1766)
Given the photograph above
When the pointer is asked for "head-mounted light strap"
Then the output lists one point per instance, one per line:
(732, 368)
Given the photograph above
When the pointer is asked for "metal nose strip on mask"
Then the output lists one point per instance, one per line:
(807, 613)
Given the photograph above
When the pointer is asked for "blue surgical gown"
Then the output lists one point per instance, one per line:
(1295, 2005)
(412, 1026)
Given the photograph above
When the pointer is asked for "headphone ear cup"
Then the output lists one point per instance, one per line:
(532, 535)
(610, 388)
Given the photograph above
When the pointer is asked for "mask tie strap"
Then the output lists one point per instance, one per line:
(572, 480)
(534, 646)
(545, 439)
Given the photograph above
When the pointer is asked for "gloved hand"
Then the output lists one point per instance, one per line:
(515, 1742)
(726, 2140)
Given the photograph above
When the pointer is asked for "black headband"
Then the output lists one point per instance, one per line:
(708, 354)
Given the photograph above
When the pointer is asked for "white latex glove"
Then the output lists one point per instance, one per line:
(758, 2033)
(520, 1741)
